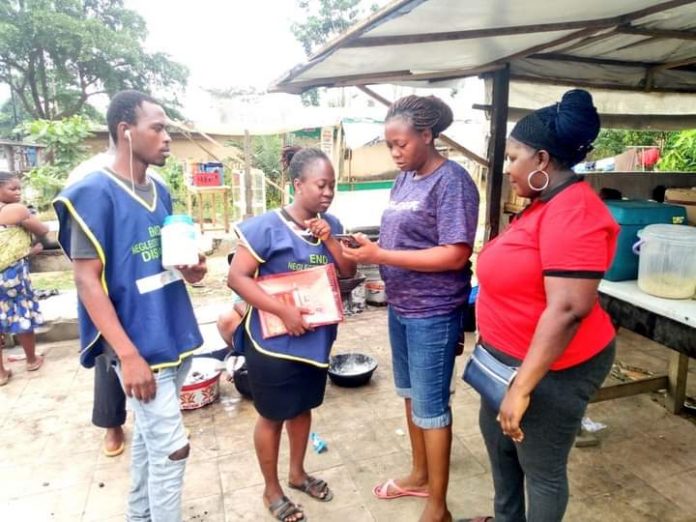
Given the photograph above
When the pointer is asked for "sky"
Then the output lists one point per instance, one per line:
(224, 42)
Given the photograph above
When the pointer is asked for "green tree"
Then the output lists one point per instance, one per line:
(57, 54)
(611, 142)
(325, 19)
(679, 153)
(65, 149)
(266, 157)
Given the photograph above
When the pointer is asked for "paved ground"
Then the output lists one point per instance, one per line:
(52, 467)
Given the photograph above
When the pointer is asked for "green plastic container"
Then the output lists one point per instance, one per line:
(633, 215)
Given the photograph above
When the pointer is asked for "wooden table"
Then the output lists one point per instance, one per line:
(199, 194)
(671, 322)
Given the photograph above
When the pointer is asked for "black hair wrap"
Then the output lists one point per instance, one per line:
(566, 129)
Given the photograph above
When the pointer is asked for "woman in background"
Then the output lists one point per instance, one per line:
(19, 308)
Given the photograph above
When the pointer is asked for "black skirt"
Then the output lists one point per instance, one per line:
(283, 389)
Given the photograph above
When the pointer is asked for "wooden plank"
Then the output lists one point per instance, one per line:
(672, 334)
(628, 389)
(561, 57)
(657, 33)
(383, 77)
(404, 39)
(676, 391)
(496, 151)
(226, 208)
(585, 84)
(249, 211)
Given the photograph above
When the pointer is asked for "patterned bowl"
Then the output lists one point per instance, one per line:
(202, 384)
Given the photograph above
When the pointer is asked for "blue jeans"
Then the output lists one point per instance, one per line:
(423, 352)
(550, 424)
(156, 480)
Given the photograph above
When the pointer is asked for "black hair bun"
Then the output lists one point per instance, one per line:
(445, 115)
(577, 121)
(287, 154)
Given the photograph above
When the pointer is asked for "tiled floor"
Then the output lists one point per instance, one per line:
(51, 466)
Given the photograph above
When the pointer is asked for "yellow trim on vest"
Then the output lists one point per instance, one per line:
(247, 327)
(182, 356)
(246, 245)
(127, 189)
(95, 243)
(287, 224)
(97, 246)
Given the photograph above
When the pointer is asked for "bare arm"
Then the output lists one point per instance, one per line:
(569, 301)
(138, 380)
(436, 259)
(240, 278)
(18, 214)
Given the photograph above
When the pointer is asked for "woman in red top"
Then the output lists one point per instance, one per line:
(538, 309)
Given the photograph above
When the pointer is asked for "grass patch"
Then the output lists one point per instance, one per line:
(50, 280)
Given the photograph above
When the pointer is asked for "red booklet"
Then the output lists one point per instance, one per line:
(315, 289)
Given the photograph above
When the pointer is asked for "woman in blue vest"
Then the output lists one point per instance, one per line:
(287, 374)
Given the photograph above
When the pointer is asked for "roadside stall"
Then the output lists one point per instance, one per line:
(636, 57)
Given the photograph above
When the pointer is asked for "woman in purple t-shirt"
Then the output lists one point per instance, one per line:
(426, 239)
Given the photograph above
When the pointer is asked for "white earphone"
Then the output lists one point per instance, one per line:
(127, 134)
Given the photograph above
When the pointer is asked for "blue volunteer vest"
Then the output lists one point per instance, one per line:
(279, 249)
(152, 304)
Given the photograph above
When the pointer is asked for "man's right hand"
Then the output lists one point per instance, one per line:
(138, 379)
(294, 320)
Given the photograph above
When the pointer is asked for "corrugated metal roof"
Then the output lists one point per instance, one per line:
(631, 45)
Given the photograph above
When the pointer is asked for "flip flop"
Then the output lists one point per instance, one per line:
(476, 519)
(116, 452)
(312, 485)
(284, 508)
(4, 380)
(36, 365)
(381, 491)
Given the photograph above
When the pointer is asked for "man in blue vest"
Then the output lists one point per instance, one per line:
(131, 310)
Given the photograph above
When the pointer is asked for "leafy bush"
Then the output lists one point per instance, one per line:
(65, 149)
(680, 153)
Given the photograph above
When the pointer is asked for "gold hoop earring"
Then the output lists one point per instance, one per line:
(546, 181)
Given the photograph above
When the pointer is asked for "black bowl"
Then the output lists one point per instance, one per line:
(351, 370)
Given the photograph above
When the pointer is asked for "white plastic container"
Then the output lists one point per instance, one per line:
(667, 263)
(179, 242)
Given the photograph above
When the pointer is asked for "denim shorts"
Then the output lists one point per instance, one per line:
(423, 353)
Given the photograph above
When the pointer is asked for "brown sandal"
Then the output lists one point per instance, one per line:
(4, 380)
(284, 508)
(316, 488)
(36, 364)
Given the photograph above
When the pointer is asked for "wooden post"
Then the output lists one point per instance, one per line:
(226, 208)
(247, 175)
(676, 392)
(496, 150)
(283, 144)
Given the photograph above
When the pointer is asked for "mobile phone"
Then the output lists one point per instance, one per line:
(348, 240)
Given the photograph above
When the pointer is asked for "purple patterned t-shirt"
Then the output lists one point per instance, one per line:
(439, 209)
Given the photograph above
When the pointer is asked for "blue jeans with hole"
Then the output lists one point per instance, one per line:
(550, 424)
(157, 480)
(423, 353)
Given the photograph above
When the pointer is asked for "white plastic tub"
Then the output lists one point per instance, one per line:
(667, 263)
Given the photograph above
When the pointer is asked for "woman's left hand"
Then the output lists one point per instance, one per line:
(37, 248)
(512, 409)
(367, 252)
(194, 273)
(319, 228)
